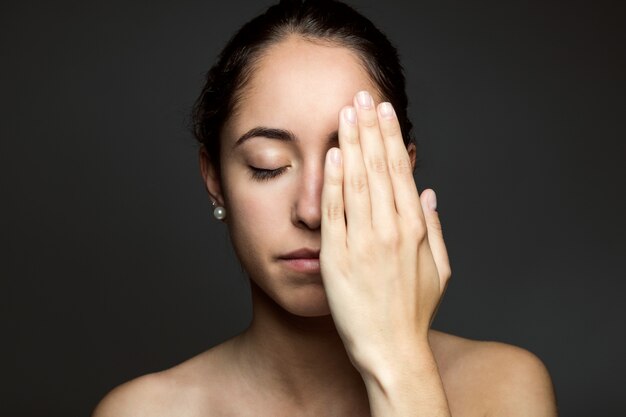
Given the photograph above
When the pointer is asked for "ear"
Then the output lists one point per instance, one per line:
(210, 177)
(412, 150)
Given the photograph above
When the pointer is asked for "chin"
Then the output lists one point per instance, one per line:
(307, 301)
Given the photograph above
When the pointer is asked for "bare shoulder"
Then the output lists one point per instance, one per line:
(493, 378)
(146, 395)
(183, 390)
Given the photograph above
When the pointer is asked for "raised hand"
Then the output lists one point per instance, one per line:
(383, 260)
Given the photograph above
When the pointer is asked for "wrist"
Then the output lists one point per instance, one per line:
(386, 370)
(407, 385)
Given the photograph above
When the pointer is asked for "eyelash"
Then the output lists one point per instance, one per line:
(260, 174)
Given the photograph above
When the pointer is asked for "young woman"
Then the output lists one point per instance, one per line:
(307, 155)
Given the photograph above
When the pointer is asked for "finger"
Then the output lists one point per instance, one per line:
(435, 237)
(375, 159)
(333, 226)
(355, 190)
(400, 168)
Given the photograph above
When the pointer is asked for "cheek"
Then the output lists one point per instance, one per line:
(258, 213)
(252, 210)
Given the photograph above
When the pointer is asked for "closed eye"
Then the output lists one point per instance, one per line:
(261, 174)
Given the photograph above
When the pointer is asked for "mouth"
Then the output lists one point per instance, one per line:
(303, 260)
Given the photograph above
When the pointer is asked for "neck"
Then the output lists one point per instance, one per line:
(302, 357)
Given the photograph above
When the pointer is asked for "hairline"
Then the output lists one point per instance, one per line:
(283, 35)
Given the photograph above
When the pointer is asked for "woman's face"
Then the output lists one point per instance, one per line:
(285, 123)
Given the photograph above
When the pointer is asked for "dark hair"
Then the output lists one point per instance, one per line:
(327, 21)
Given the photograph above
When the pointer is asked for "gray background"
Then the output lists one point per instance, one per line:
(112, 266)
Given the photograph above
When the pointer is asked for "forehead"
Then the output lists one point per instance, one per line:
(301, 86)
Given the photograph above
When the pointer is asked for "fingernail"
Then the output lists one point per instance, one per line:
(350, 115)
(364, 99)
(386, 110)
(335, 156)
(432, 201)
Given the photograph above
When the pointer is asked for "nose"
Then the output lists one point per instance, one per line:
(307, 211)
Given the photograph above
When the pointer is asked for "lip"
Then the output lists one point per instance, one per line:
(302, 253)
(303, 260)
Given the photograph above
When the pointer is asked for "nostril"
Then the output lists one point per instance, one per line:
(310, 220)
(308, 214)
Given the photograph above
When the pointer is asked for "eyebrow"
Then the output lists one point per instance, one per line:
(277, 134)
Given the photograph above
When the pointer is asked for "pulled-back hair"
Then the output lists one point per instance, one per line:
(326, 21)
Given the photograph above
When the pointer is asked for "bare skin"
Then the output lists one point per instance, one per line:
(293, 359)
(480, 378)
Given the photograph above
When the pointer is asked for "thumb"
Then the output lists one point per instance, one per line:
(435, 236)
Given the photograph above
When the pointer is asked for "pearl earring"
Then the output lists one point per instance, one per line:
(219, 212)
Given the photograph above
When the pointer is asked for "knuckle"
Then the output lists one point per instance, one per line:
(436, 226)
(389, 128)
(418, 229)
(334, 180)
(358, 183)
(401, 166)
(334, 212)
(390, 237)
(378, 165)
(368, 120)
(351, 137)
